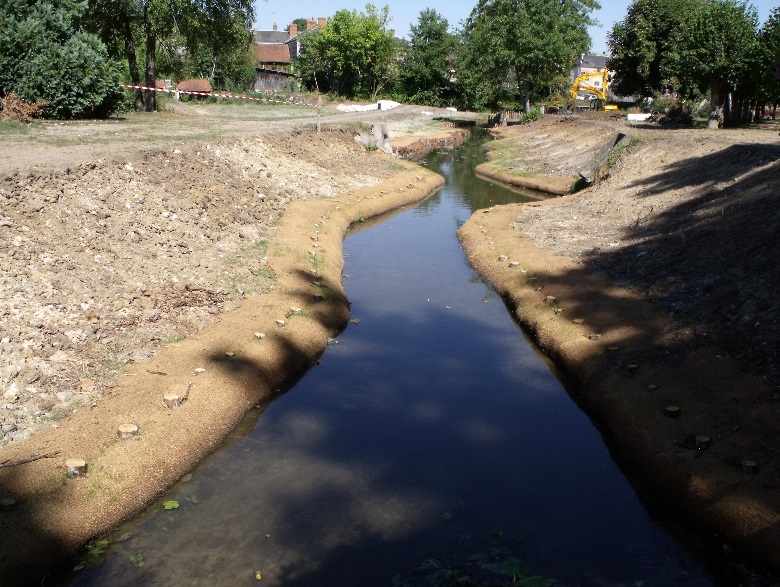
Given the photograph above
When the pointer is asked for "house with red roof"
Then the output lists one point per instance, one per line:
(275, 53)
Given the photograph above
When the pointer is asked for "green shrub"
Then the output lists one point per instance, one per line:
(46, 55)
(534, 113)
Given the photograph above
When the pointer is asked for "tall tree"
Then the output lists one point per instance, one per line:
(718, 47)
(350, 55)
(300, 23)
(642, 46)
(428, 60)
(707, 46)
(45, 54)
(769, 68)
(216, 26)
(515, 48)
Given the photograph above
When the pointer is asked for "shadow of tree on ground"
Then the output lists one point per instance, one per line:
(715, 251)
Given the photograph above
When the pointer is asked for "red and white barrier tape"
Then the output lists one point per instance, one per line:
(266, 100)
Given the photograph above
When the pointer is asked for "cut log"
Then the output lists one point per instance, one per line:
(672, 411)
(172, 400)
(127, 431)
(76, 467)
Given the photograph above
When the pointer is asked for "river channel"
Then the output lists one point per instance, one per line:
(432, 442)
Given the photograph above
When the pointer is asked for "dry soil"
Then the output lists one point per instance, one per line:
(657, 289)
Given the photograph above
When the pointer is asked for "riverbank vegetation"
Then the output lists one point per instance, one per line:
(697, 51)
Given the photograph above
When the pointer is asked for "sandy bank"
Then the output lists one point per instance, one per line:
(686, 416)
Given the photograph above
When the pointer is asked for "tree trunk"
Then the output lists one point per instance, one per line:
(150, 102)
(758, 113)
(132, 62)
(717, 103)
(532, 94)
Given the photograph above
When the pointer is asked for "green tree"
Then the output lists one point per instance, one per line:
(642, 46)
(700, 46)
(350, 55)
(513, 49)
(300, 23)
(212, 27)
(45, 54)
(428, 60)
(718, 50)
(769, 67)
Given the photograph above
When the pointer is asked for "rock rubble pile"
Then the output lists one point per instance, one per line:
(103, 262)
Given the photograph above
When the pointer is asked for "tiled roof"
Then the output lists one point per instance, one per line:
(271, 36)
(194, 85)
(272, 53)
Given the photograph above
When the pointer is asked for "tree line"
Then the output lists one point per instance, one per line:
(511, 54)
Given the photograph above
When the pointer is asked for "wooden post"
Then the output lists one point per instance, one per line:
(319, 110)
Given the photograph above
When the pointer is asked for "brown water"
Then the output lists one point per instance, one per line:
(433, 443)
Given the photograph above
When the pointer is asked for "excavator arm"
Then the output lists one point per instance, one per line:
(583, 83)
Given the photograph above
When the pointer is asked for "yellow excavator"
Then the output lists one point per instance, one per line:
(584, 82)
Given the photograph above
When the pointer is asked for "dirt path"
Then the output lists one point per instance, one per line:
(210, 270)
(656, 290)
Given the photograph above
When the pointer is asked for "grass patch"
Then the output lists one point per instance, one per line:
(10, 128)
(260, 278)
(298, 313)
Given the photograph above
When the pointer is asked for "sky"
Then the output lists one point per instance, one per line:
(405, 12)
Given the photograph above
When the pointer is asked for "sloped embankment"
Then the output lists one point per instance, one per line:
(655, 290)
(548, 155)
(278, 324)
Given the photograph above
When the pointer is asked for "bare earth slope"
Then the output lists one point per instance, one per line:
(210, 270)
(657, 290)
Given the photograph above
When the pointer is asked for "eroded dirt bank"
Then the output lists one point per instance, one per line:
(657, 290)
(163, 271)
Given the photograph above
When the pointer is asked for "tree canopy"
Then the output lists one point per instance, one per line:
(698, 45)
(513, 49)
(211, 30)
(429, 60)
(45, 54)
(642, 46)
(769, 69)
(350, 55)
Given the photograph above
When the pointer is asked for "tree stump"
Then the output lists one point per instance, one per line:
(127, 431)
(671, 411)
(172, 400)
(703, 442)
(749, 467)
(76, 467)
